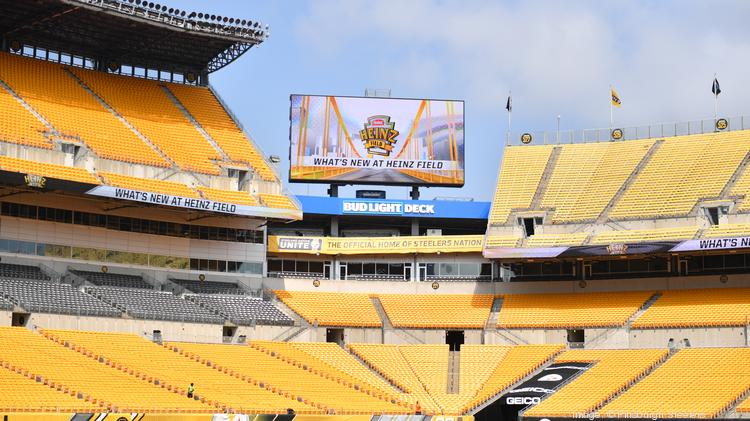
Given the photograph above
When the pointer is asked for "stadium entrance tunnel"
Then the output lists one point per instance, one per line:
(19, 319)
(335, 336)
(530, 392)
(576, 338)
(454, 339)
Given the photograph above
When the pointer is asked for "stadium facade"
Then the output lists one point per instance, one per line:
(147, 244)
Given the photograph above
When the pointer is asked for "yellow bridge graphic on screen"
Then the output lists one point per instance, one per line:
(337, 142)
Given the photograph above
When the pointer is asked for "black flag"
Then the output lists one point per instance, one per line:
(509, 105)
(715, 89)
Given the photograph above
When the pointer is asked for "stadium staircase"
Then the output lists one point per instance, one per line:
(546, 176)
(300, 324)
(454, 372)
(388, 325)
(633, 175)
(180, 106)
(490, 326)
(120, 117)
(52, 130)
(725, 192)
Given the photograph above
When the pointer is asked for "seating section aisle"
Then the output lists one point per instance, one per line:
(565, 311)
(61, 172)
(693, 383)
(685, 169)
(155, 305)
(145, 105)
(611, 372)
(243, 310)
(697, 308)
(468, 311)
(18, 125)
(70, 371)
(175, 372)
(53, 297)
(520, 173)
(113, 279)
(315, 391)
(331, 308)
(74, 112)
(211, 115)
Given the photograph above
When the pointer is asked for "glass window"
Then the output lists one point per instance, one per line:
(734, 260)
(448, 269)
(368, 268)
(431, 269)
(381, 268)
(354, 268)
(468, 269)
(316, 267)
(302, 266)
(396, 269)
(486, 269)
(274, 265)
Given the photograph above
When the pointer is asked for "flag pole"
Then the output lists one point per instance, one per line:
(716, 104)
(509, 108)
(611, 112)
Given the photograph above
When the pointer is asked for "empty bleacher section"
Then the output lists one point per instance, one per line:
(61, 172)
(149, 185)
(701, 382)
(580, 310)
(298, 382)
(77, 373)
(611, 372)
(208, 287)
(554, 240)
(20, 390)
(174, 372)
(147, 107)
(9, 270)
(113, 279)
(228, 196)
(18, 125)
(277, 201)
(154, 305)
(53, 297)
(469, 311)
(241, 309)
(697, 308)
(73, 112)
(682, 171)
(728, 230)
(332, 309)
(519, 177)
(636, 236)
(586, 177)
(211, 115)
(501, 241)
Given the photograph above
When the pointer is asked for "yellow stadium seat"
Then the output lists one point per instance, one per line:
(277, 201)
(331, 308)
(697, 308)
(61, 172)
(638, 236)
(466, 311)
(562, 311)
(19, 125)
(149, 185)
(229, 196)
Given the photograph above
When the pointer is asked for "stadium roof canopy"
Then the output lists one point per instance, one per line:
(129, 32)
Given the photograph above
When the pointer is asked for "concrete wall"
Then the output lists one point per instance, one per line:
(6, 318)
(699, 337)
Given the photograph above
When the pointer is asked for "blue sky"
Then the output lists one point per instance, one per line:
(556, 57)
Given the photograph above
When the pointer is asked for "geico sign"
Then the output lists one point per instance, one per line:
(526, 400)
(388, 207)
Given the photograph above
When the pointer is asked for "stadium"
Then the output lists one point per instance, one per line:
(154, 267)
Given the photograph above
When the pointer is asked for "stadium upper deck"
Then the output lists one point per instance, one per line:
(76, 117)
(651, 191)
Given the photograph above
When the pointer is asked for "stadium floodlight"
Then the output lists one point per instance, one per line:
(200, 15)
(171, 11)
(183, 13)
(274, 159)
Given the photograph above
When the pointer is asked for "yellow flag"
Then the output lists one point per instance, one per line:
(615, 98)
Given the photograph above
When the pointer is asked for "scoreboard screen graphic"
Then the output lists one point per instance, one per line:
(386, 141)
